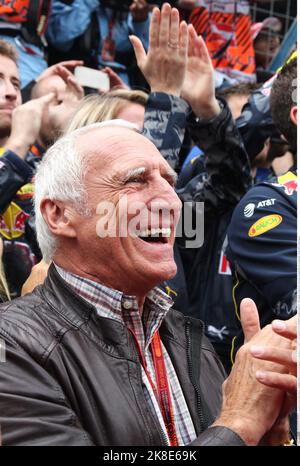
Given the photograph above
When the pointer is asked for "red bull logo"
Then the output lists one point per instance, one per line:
(288, 182)
(19, 224)
(12, 222)
(290, 187)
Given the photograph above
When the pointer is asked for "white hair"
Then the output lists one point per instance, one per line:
(60, 177)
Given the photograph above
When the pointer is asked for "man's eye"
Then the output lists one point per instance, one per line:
(137, 179)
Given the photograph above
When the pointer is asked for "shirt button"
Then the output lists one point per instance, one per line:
(127, 305)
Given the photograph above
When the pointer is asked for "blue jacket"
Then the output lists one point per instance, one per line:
(262, 249)
(225, 179)
(69, 21)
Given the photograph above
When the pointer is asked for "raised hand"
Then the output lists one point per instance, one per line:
(61, 113)
(114, 80)
(52, 70)
(74, 91)
(164, 65)
(198, 87)
(26, 124)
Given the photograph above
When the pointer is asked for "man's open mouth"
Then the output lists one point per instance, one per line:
(155, 235)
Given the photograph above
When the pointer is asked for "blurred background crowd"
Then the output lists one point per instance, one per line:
(49, 51)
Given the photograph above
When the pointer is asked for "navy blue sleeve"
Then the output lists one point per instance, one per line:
(14, 173)
(226, 163)
(164, 124)
(262, 249)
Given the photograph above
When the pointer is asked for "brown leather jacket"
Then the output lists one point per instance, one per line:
(74, 378)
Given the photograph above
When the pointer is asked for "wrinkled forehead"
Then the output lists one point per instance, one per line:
(118, 148)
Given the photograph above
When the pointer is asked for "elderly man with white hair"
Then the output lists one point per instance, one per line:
(96, 355)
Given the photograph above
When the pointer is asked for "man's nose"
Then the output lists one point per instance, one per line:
(10, 91)
(166, 190)
(166, 199)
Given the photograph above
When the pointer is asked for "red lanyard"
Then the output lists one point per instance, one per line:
(162, 392)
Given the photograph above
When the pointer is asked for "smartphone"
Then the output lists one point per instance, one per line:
(88, 77)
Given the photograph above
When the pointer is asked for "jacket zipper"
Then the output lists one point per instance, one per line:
(164, 437)
(190, 369)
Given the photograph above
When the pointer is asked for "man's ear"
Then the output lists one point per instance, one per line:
(59, 218)
(293, 115)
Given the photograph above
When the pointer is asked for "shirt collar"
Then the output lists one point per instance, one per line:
(114, 304)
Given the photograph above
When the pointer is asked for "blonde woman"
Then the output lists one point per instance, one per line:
(121, 103)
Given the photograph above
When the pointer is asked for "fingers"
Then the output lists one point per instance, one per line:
(56, 69)
(63, 72)
(139, 50)
(192, 33)
(109, 71)
(46, 99)
(71, 64)
(114, 78)
(154, 29)
(191, 40)
(172, 33)
(70, 81)
(287, 329)
(197, 46)
(164, 30)
(284, 382)
(202, 50)
(279, 355)
(75, 87)
(184, 39)
(174, 27)
(249, 318)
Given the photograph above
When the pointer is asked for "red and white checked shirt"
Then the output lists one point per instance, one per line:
(115, 305)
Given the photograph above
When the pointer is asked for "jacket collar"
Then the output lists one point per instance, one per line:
(115, 305)
(61, 297)
(109, 334)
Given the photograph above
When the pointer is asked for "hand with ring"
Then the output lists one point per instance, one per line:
(164, 65)
(173, 46)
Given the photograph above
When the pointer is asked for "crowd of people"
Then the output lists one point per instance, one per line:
(148, 236)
